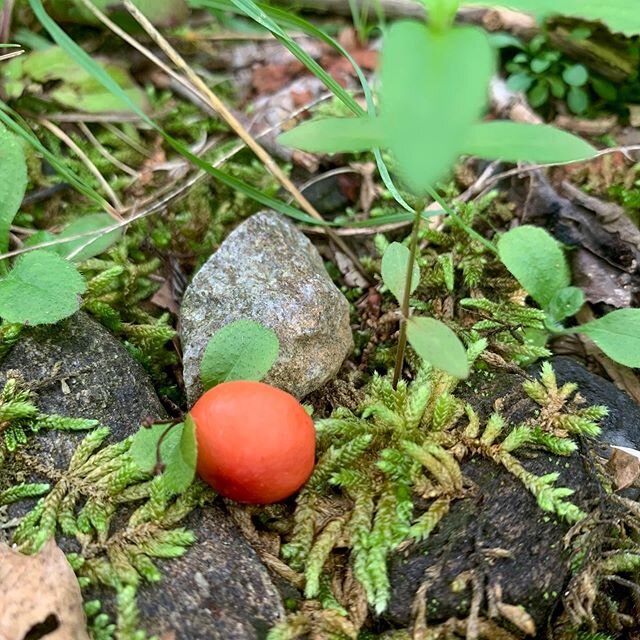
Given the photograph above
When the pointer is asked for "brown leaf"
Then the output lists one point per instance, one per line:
(624, 466)
(165, 299)
(39, 593)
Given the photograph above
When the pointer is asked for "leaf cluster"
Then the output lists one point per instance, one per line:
(538, 262)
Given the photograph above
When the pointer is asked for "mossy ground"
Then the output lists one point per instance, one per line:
(380, 449)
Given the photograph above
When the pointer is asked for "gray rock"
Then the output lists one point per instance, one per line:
(219, 588)
(268, 271)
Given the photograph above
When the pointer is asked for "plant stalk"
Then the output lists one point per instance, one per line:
(406, 295)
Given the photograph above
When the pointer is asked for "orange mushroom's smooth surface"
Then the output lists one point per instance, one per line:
(256, 443)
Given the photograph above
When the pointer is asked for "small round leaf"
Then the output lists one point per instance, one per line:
(434, 342)
(576, 75)
(241, 350)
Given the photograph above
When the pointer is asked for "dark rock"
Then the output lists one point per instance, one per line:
(219, 589)
(79, 369)
(622, 426)
(268, 271)
(497, 530)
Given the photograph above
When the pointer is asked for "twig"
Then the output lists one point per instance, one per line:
(8, 56)
(105, 153)
(529, 168)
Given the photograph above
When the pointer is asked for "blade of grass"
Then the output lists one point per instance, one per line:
(87, 63)
(13, 121)
(220, 107)
(267, 16)
(84, 158)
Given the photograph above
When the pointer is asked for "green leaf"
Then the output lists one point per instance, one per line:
(538, 65)
(502, 40)
(619, 15)
(145, 442)
(42, 288)
(605, 89)
(519, 81)
(576, 75)
(426, 109)
(558, 88)
(536, 260)
(435, 343)
(178, 452)
(539, 94)
(394, 270)
(516, 141)
(333, 135)
(566, 303)
(241, 350)
(617, 334)
(13, 184)
(578, 100)
(180, 462)
(94, 222)
(79, 89)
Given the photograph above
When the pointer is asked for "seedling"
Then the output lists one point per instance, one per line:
(543, 73)
(432, 340)
(538, 262)
(427, 119)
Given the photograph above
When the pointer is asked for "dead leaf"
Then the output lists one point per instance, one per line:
(165, 299)
(600, 281)
(269, 77)
(39, 594)
(624, 466)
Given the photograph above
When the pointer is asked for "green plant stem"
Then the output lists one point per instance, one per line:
(404, 308)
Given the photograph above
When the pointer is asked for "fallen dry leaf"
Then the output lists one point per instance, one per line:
(39, 596)
(624, 466)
